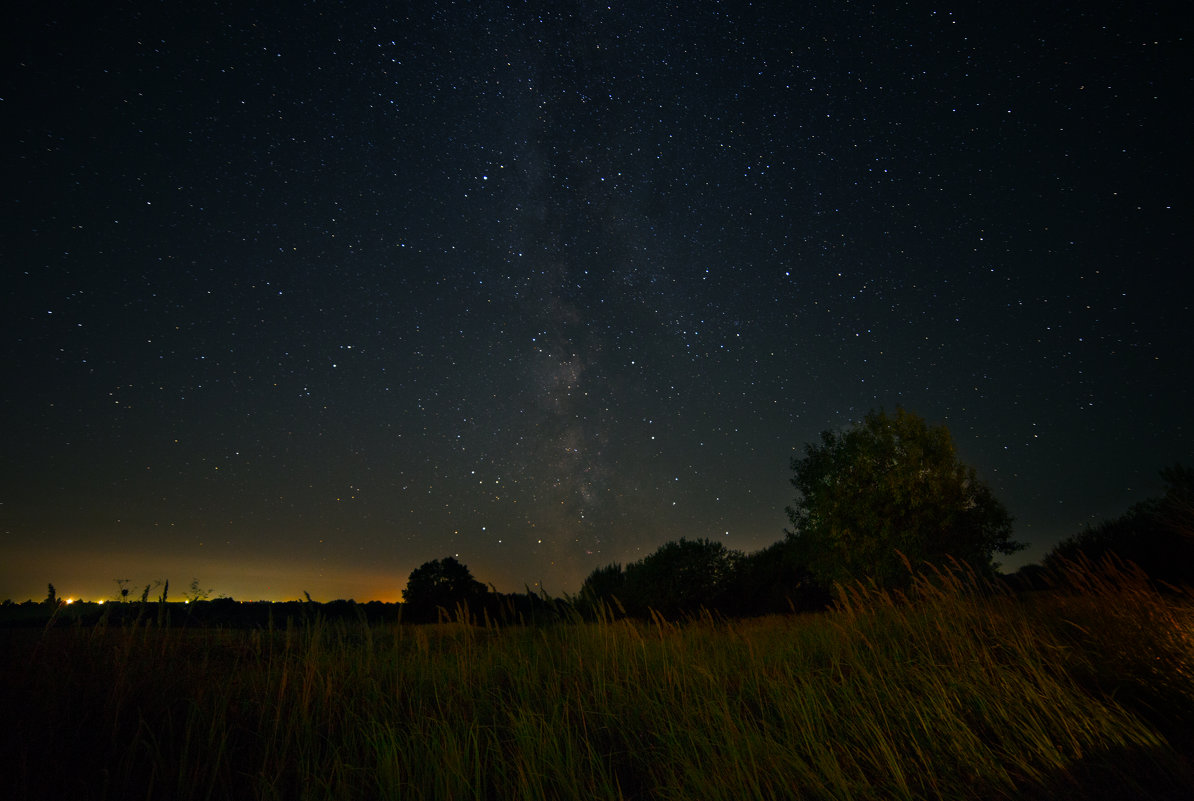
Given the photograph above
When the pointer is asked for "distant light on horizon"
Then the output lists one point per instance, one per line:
(308, 380)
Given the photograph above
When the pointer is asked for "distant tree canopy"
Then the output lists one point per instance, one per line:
(604, 585)
(680, 577)
(1156, 534)
(775, 580)
(1176, 512)
(889, 485)
(441, 583)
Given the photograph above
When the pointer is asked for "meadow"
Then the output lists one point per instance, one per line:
(958, 689)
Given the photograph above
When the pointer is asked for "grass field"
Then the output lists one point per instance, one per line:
(956, 692)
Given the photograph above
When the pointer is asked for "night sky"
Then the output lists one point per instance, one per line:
(297, 300)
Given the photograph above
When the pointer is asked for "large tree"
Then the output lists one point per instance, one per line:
(440, 584)
(887, 486)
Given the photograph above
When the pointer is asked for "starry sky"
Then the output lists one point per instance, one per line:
(299, 296)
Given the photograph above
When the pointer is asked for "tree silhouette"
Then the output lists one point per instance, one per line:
(681, 577)
(1156, 534)
(605, 585)
(775, 580)
(892, 485)
(441, 584)
(1176, 512)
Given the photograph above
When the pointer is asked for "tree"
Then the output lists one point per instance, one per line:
(605, 585)
(892, 485)
(775, 580)
(1176, 512)
(441, 583)
(681, 576)
(1156, 534)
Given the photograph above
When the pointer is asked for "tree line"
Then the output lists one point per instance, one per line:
(874, 502)
(885, 494)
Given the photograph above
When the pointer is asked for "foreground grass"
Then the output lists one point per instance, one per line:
(962, 692)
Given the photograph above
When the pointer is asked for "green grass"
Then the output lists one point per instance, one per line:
(956, 691)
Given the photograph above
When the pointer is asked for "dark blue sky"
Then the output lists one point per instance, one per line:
(300, 299)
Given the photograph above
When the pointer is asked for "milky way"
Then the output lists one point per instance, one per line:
(300, 300)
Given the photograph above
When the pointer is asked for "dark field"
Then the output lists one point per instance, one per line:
(962, 691)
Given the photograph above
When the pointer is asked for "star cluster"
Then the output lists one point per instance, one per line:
(299, 298)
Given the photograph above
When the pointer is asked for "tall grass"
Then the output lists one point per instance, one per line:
(953, 690)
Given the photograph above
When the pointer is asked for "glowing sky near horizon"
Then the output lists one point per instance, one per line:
(296, 300)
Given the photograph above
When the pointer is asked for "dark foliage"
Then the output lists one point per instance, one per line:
(686, 576)
(775, 580)
(892, 485)
(441, 587)
(1156, 534)
(681, 577)
(605, 586)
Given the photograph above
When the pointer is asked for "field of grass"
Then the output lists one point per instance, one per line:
(956, 692)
